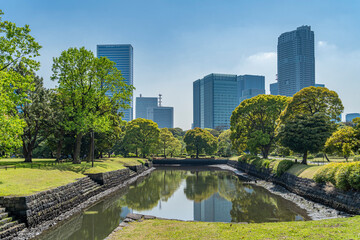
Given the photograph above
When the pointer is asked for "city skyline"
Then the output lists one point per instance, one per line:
(173, 45)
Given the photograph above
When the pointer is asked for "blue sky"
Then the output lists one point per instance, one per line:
(176, 42)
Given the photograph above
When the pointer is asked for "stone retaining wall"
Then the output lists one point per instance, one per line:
(322, 193)
(46, 205)
(110, 179)
(137, 168)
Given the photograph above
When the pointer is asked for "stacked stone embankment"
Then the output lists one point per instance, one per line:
(348, 201)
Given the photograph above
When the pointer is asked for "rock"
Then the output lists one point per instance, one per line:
(134, 216)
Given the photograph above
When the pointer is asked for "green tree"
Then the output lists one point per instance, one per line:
(37, 115)
(254, 121)
(199, 140)
(17, 47)
(308, 105)
(342, 142)
(305, 134)
(84, 82)
(175, 147)
(225, 147)
(166, 137)
(177, 132)
(141, 134)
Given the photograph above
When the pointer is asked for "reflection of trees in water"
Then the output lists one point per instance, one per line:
(160, 185)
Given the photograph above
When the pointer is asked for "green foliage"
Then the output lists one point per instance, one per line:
(344, 176)
(305, 124)
(342, 142)
(84, 83)
(253, 123)
(356, 158)
(305, 134)
(166, 138)
(280, 167)
(225, 146)
(199, 140)
(142, 134)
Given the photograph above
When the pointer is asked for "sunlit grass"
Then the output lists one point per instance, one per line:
(341, 228)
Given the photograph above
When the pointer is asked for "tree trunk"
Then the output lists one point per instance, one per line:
(326, 157)
(136, 152)
(91, 148)
(109, 154)
(304, 160)
(27, 151)
(265, 152)
(58, 149)
(164, 152)
(76, 158)
(197, 153)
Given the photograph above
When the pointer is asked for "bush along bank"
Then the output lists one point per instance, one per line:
(47, 205)
(275, 171)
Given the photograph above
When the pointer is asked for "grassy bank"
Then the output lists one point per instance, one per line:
(341, 228)
(43, 174)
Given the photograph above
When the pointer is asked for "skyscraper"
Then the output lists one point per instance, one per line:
(122, 55)
(163, 116)
(142, 104)
(274, 89)
(250, 86)
(215, 97)
(296, 60)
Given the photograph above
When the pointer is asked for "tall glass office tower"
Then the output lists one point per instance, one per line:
(296, 61)
(122, 55)
(250, 86)
(215, 97)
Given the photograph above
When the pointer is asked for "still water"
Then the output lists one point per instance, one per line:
(207, 195)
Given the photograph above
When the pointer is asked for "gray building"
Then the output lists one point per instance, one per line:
(350, 116)
(250, 86)
(295, 60)
(142, 104)
(163, 116)
(274, 89)
(319, 85)
(122, 55)
(216, 96)
(213, 209)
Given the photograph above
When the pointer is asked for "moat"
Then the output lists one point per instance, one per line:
(193, 194)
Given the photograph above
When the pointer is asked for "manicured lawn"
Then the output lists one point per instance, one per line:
(304, 171)
(341, 228)
(25, 181)
(43, 174)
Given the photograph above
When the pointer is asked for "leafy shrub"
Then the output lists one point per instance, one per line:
(327, 173)
(319, 155)
(342, 177)
(141, 161)
(354, 177)
(280, 167)
(356, 158)
(310, 157)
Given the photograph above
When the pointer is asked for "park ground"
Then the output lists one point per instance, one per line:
(340, 228)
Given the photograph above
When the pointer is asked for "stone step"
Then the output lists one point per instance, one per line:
(4, 215)
(5, 220)
(11, 232)
(93, 191)
(8, 225)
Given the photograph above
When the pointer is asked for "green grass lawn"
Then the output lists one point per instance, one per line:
(341, 228)
(25, 181)
(304, 171)
(43, 174)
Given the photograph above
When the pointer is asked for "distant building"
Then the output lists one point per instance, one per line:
(215, 98)
(350, 116)
(319, 85)
(122, 55)
(150, 108)
(295, 60)
(163, 116)
(274, 89)
(250, 86)
(142, 104)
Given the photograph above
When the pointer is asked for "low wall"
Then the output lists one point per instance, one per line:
(325, 194)
(110, 179)
(137, 168)
(190, 161)
(49, 204)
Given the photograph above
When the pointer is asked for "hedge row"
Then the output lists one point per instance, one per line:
(278, 166)
(345, 176)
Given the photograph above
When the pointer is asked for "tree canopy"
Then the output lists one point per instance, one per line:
(199, 140)
(253, 123)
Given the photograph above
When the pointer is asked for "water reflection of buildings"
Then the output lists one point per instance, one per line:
(213, 209)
